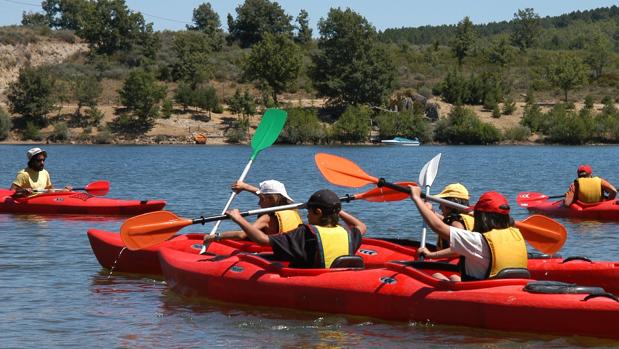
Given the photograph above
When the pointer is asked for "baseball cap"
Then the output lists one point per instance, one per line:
(454, 190)
(493, 202)
(273, 187)
(325, 198)
(35, 151)
(584, 168)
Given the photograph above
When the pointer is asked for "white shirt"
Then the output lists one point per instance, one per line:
(473, 247)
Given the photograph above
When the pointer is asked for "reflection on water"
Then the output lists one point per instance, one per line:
(53, 290)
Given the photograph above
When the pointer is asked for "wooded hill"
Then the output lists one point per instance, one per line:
(453, 84)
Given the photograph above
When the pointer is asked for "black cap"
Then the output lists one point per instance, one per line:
(326, 199)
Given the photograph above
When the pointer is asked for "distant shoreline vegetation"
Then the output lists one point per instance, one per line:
(552, 72)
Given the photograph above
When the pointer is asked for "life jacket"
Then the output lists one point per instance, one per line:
(467, 220)
(589, 189)
(332, 242)
(507, 250)
(287, 220)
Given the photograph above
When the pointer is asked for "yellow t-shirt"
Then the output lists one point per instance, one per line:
(29, 178)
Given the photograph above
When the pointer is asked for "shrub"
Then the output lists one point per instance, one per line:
(32, 132)
(103, 137)
(589, 102)
(5, 124)
(353, 125)
(463, 126)
(60, 133)
(302, 126)
(166, 108)
(509, 106)
(403, 124)
(517, 133)
(496, 111)
(237, 133)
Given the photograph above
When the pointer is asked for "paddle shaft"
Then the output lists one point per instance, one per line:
(233, 195)
(424, 229)
(219, 218)
(383, 183)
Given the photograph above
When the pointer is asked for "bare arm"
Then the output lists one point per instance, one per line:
(353, 222)
(609, 189)
(444, 253)
(252, 232)
(435, 223)
(240, 186)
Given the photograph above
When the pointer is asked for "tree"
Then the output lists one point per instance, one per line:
(67, 14)
(141, 94)
(5, 124)
(566, 73)
(526, 28)
(32, 94)
(304, 32)
(353, 125)
(351, 66)
(255, 18)
(465, 37)
(599, 53)
(87, 90)
(500, 52)
(192, 52)
(206, 98)
(206, 20)
(34, 19)
(275, 62)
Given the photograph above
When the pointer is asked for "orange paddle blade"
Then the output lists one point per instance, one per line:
(151, 228)
(543, 233)
(343, 172)
(384, 194)
(98, 188)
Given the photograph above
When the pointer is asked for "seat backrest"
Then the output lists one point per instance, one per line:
(513, 273)
(348, 262)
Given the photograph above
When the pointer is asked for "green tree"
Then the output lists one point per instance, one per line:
(5, 124)
(463, 126)
(275, 62)
(34, 19)
(86, 90)
(500, 52)
(353, 125)
(351, 67)
(598, 54)
(526, 28)
(566, 73)
(141, 95)
(465, 38)
(304, 32)
(184, 95)
(206, 98)
(192, 57)
(67, 14)
(254, 18)
(32, 94)
(302, 126)
(206, 20)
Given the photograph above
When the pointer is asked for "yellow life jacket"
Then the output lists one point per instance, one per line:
(288, 220)
(332, 243)
(589, 189)
(508, 250)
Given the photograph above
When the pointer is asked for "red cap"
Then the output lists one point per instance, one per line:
(585, 168)
(492, 202)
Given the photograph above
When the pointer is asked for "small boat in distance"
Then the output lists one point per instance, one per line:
(402, 141)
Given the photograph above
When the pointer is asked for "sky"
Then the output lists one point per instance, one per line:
(383, 14)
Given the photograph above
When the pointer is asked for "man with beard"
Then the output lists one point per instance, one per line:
(34, 177)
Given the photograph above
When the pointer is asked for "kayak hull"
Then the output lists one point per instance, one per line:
(606, 210)
(107, 245)
(396, 292)
(75, 203)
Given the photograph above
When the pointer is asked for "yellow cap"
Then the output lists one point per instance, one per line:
(454, 190)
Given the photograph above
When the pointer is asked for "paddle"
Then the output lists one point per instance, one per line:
(152, 228)
(543, 233)
(525, 198)
(97, 188)
(426, 178)
(267, 132)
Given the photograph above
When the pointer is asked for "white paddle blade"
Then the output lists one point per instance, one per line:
(429, 171)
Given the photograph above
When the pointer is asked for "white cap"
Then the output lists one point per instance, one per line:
(273, 187)
(35, 151)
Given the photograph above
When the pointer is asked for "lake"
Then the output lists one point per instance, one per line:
(55, 294)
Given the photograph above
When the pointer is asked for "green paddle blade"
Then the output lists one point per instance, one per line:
(268, 130)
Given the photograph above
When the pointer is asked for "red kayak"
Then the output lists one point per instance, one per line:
(107, 247)
(540, 203)
(400, 291)
(72, 202)
(580, 270)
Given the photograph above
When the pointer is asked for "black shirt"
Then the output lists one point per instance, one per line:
(300, 247)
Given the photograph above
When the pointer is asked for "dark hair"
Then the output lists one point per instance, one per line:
(460, 201)
(329, 217)
(35, 157)
(486, 221)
